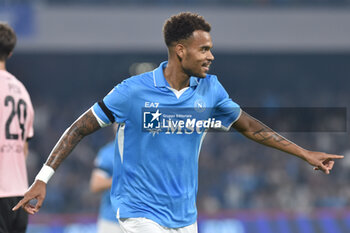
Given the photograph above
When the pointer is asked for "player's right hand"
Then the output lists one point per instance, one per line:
(37, 191)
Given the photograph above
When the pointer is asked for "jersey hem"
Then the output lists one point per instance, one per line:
(160, 222)
(12, 195)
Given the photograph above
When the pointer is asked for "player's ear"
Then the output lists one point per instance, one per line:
(10, 54)
(180, 50)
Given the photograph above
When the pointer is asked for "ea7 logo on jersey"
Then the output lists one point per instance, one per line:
(151, 105)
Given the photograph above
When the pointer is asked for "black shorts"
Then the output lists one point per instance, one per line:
(12, 221)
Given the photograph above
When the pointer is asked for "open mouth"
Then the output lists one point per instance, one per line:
(206, 66)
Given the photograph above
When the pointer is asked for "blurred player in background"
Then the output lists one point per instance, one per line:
(16, 127)
(155, 176)
(101, 180)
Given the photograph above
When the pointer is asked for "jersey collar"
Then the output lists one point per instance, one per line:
(160, 81)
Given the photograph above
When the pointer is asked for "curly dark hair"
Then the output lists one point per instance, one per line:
(182, 25)
(8, 40)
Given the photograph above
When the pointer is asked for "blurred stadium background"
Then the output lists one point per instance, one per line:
(269, 53)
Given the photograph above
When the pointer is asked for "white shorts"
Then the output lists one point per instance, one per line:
(144, 225)
(105, 226)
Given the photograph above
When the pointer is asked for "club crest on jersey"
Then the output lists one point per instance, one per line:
(199, 105)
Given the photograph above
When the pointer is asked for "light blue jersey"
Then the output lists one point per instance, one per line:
(104, 162)
(159, 139)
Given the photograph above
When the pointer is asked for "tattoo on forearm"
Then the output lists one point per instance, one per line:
(71, 137)
(266, 134)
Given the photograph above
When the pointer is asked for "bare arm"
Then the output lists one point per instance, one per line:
(99, 182)
(257, 131)
(83, 126)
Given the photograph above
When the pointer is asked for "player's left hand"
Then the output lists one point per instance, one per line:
(321, 161)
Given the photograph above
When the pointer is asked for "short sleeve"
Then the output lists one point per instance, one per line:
(115, 105)
(225, 110)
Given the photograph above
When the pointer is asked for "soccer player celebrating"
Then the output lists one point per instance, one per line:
(16, 127)
(156, 162)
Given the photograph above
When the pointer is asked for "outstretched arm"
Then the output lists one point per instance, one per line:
(83, 126)
(257, 131)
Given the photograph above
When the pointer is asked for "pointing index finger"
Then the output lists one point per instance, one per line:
(336, 156)
(19, 204)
